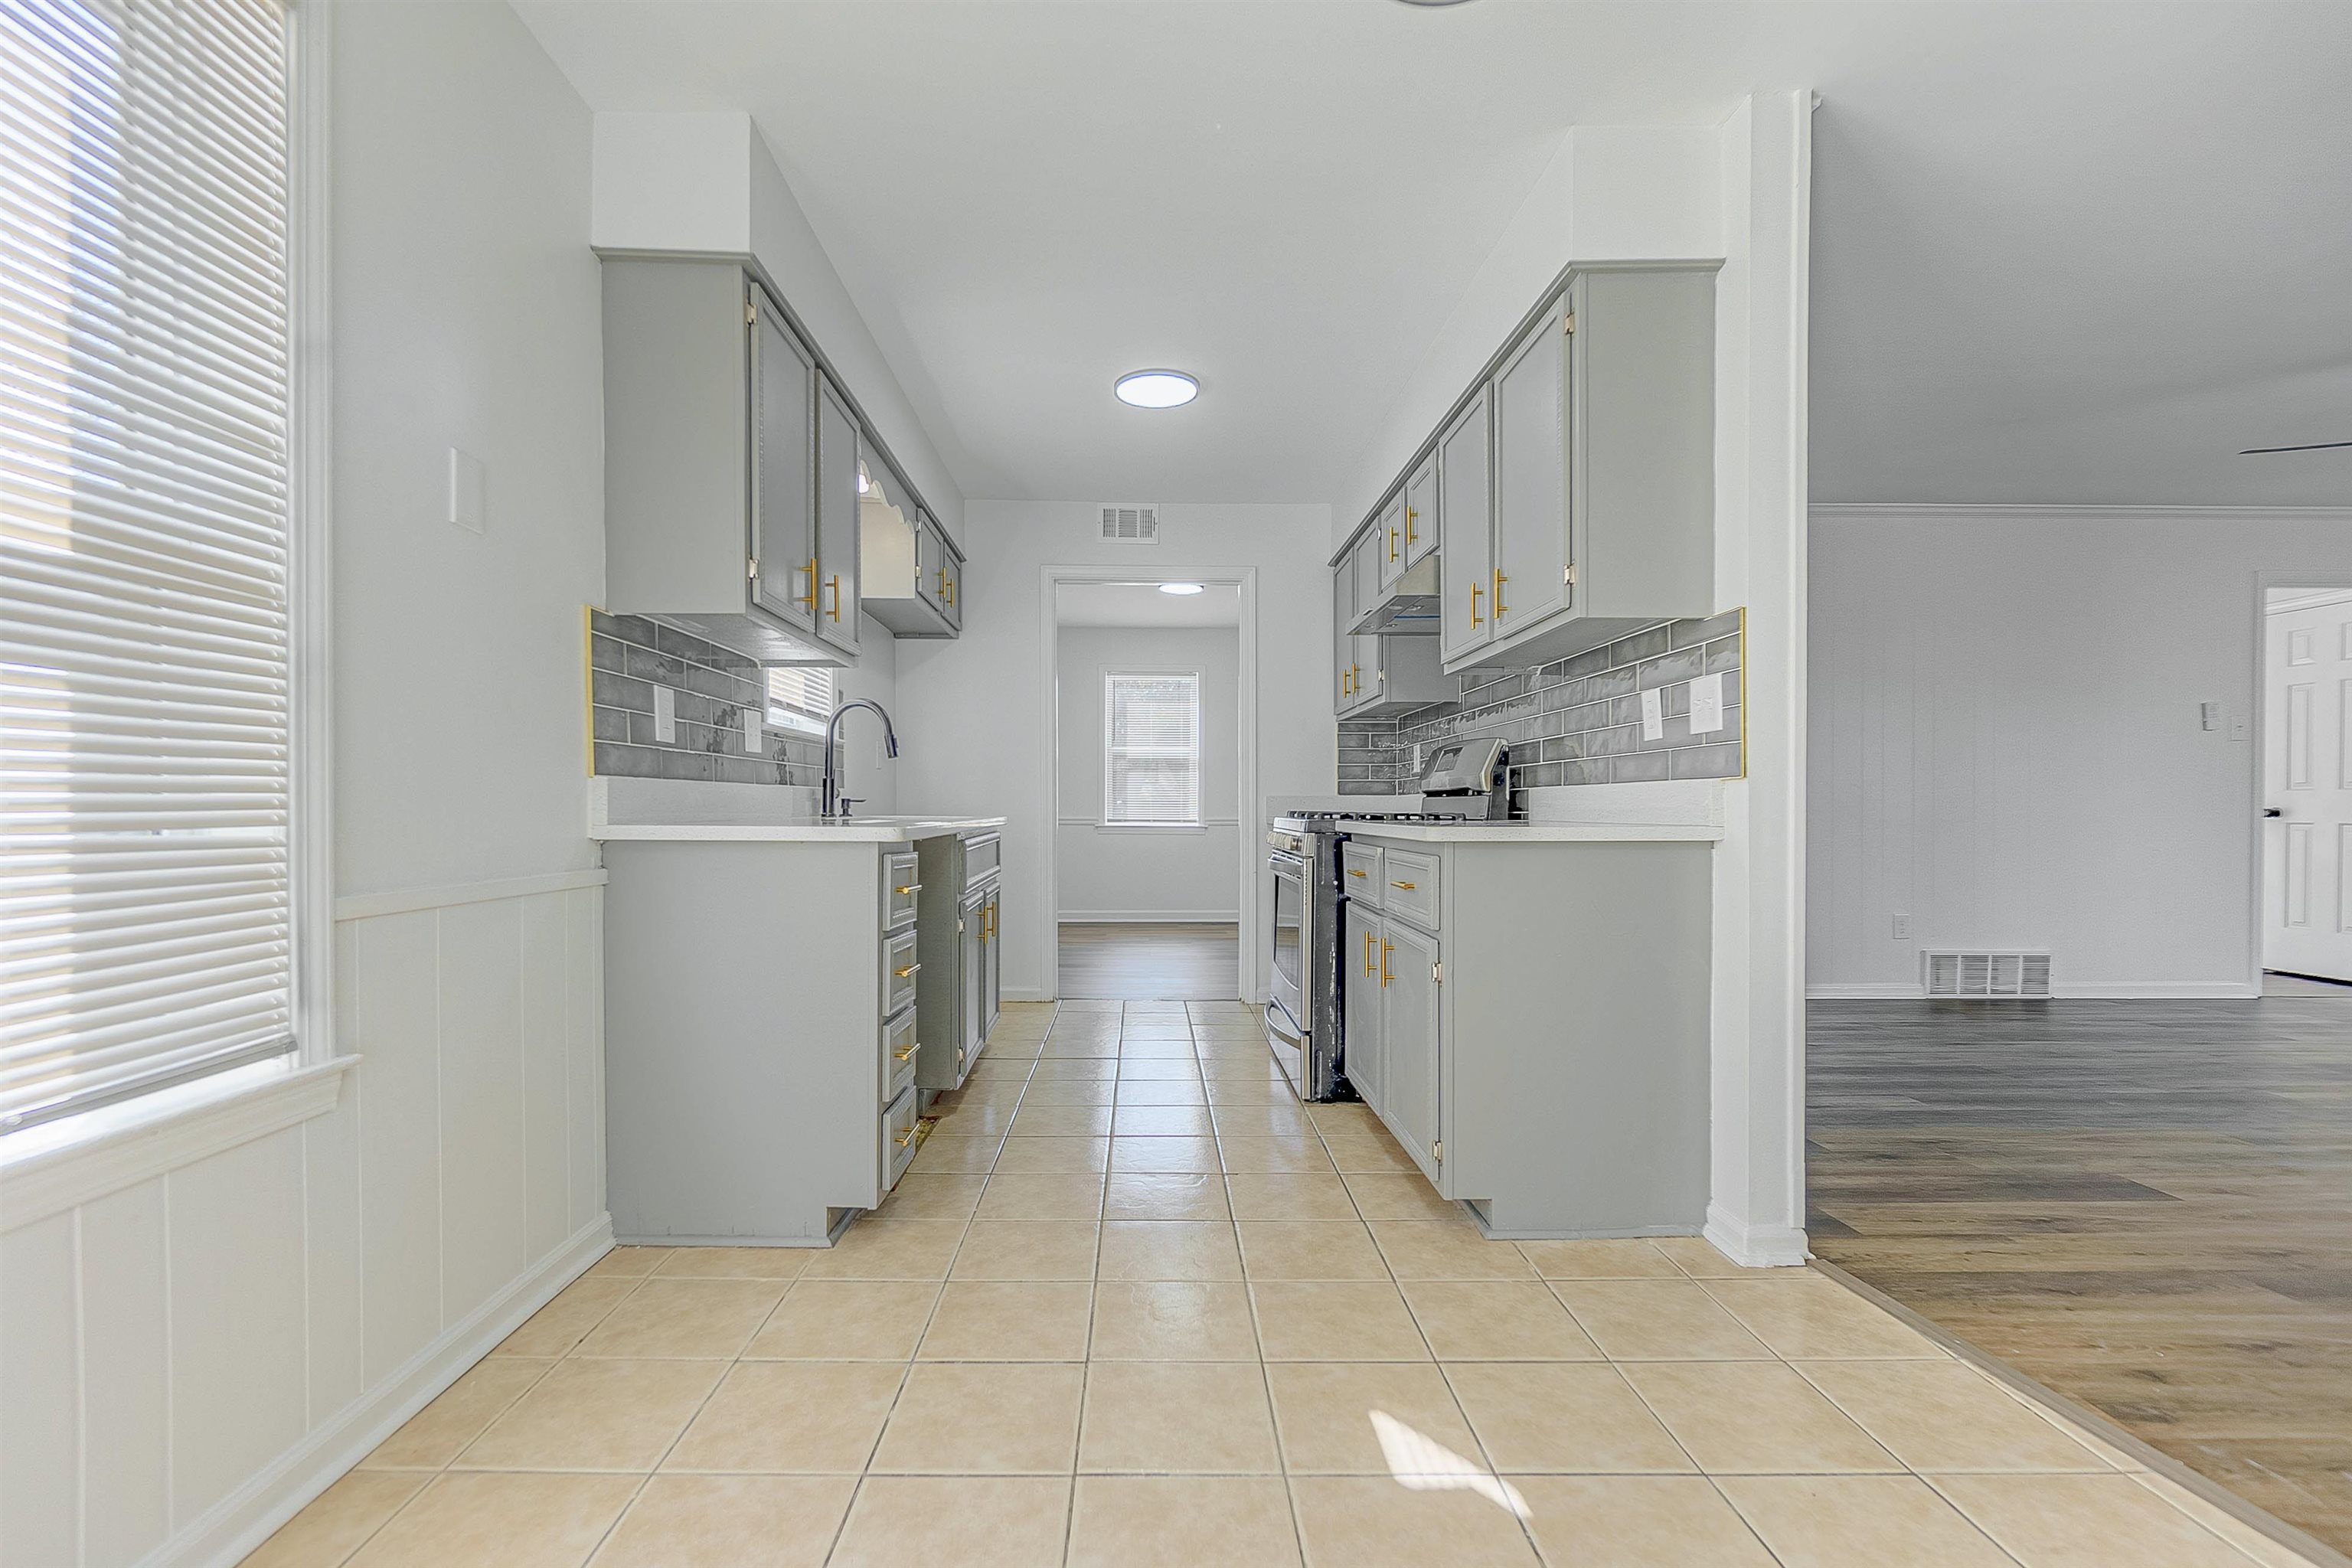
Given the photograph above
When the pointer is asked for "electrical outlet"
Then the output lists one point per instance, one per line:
(1903, 927)
(1416, 757)
(753, 731)
(665, 714)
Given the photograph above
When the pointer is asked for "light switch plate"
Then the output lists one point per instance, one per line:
(1902, 928)
(1707, 704)
(1653, 714)
(469, 493)
(2208, 715)
(665, 714)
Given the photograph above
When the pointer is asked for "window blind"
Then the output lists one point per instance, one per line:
(145, 929)
(1152, 749)
(802, 688)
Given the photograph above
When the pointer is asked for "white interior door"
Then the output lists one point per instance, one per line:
(2307, 782)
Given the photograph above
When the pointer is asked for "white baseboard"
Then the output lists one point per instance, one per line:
(1754, 1246)
(223, 1534)
(2093, 991)
(1024, 993)
(1150, 917)
(1871, 991)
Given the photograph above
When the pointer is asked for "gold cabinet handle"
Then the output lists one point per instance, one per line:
(1406, 886)
(911, 1047)
(1500, 606)
(809, 598)
(1392, 539)
(907, 1140)
(1353, 872)
(909, 887)
(1345, 689)
(1475, 619)
(1368, 953)
(836, 611)
(1409, 515)
(908, 971)
(1386, 948)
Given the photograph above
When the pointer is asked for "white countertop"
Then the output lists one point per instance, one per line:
(804, 830)
(665, 809)
(1536, 832)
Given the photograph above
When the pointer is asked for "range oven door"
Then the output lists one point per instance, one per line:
(1292, 939)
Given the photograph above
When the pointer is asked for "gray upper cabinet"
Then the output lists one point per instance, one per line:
(1388, 543)
(1527, 580)
(903, 560)
(837, 451)
(1422, 511)
(711, 466)
(1465, 496)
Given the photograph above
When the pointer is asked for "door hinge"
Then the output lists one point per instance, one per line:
(750, 312)
(1567, 575)
(751, 568)
(1437, 1151)
(1437, 973)
(1568, 323)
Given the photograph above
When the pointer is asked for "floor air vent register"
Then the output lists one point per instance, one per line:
(1989, 974)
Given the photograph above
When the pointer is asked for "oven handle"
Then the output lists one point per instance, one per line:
(1285, 863)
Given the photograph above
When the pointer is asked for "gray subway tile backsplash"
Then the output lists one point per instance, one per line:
(1577, 721)
(709, 687)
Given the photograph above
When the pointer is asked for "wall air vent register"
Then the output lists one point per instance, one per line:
(1131, 524)
(1986, 974)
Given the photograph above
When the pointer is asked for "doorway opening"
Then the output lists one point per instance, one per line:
(1148, 686)
(2305, 728)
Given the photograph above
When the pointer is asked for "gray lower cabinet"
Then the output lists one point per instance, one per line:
(1540, 1047)
(958, 945)
(760, 1021)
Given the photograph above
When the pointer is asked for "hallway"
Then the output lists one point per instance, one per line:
(1146, 963)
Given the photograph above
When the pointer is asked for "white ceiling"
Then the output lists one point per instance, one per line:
(1143, 604)
(2063, 252)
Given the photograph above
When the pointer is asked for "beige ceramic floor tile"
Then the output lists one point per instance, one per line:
(337, 1520)
(1224, 1090)
(1696, 1257)
(1657, 1320)
(1754, 1417)
(1161, 1121)
(629, 1262)
(1103, 1069)
(1077, 1195)
(710, 1318)
(595, 1415)
(1307, 1195)
(1172, 1319)
(1071, 1091)
(972, 1418)
(500, 1521)
(1185, 1069)
(1182, 1521)
(1323, 1411)
(1598, 1260)
(1027, 1250)
(1386, 1196)
(1939, 1416)
(932, 1197)
(1185, 1195)
(1834, 1521)
(1638, 1522)
(875, 1248)
(1062, 1121)
(1332, 1320)
(1352, 1151)
(2086, 1521)
(971, 1522)
(1345, 1116)
(2256, 1545)
(1495, 1320)
(1309, 1249)
(945, 1152)
(1801, 1313)
(1446, 1249)
(734, 1263)
(1169, 1249)
(435, 1434)
(1162, 1092)
(846, 1320)
(1011, 1320)
(729, 1521)
(1562, 1417)
(1054, 1155)
(807, 1417)
(1158, 1043)
(1086, 1044)
(1176, 1417)
(1271, 1156)
(1163, 1156)
(1276, 1120)
(563, 1322)
(1353, 1522)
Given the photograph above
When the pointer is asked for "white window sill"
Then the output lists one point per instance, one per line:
(47, 1170)
(798, 723)
(1152, 827)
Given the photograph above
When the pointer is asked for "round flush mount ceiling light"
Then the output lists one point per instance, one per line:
(1157, 388)
(1180, 587)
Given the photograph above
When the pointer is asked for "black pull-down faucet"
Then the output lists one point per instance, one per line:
(833, 803)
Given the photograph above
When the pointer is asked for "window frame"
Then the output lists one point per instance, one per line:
(787, 716)
(1198, 822)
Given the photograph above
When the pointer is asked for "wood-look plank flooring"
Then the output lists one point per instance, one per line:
(2146, 1206)
(1151, 963)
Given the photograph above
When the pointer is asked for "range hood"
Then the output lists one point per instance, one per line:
(1409, 607)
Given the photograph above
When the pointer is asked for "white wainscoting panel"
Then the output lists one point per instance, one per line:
(192, 1357)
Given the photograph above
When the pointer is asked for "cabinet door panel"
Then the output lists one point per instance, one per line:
(992, 939)
(783, 492)
(837, 520)
(1388, 547)
(1360, 958)
(1409, 1041)
(931, 561)
(1526, 580)
(1420, 512)
(1465, 508)
(1343, 647)
(972, 976)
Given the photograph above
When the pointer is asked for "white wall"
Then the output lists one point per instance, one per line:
(2006, 746)
(195, 1350)
(1129, 874)
(974, 713)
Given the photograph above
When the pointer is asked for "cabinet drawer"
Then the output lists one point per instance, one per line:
(899, 970)
(1359, 873)
(981, 857)
(898, 1122)
(1409, 887)
(901, 882)
(898, 1051)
